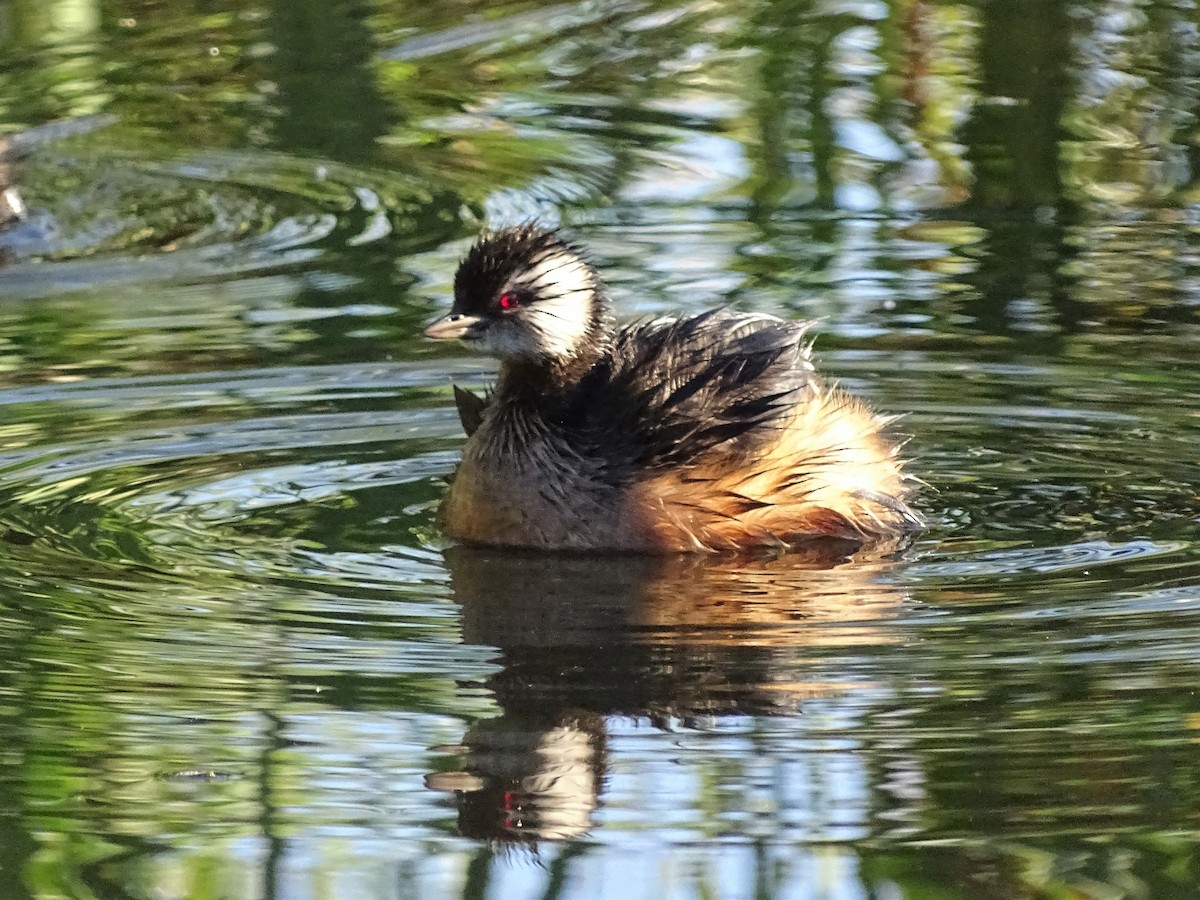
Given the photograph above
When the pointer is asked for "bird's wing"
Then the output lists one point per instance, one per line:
(471, 407)
(675, 390)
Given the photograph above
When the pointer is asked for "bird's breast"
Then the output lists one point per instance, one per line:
(533, 492)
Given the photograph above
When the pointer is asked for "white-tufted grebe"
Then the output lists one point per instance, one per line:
(703, 433)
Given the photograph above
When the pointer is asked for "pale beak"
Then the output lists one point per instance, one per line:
(452, 327)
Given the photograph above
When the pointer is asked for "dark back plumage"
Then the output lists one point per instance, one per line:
(672, 392)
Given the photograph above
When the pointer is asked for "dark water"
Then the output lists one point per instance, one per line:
(238, 661)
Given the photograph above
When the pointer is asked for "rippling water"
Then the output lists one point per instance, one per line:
(240, 661)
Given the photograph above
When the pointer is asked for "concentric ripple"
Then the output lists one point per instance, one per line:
(240, 658)
(104, 218)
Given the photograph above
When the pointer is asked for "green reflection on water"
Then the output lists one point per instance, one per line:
(238, 662)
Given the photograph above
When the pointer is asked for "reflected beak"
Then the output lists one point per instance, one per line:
(452, 327)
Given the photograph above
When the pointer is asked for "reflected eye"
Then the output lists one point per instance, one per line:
(508, 300)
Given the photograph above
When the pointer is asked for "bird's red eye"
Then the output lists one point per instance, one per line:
(508, 301)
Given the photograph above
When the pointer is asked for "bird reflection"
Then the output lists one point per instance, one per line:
(677, 639)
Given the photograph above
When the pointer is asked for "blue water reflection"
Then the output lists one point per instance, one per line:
(241, 661)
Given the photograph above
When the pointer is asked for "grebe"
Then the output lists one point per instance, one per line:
(710, 432)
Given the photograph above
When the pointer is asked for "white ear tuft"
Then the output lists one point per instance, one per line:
(563, 312)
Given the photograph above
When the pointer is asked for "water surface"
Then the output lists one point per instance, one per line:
(239, 661)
